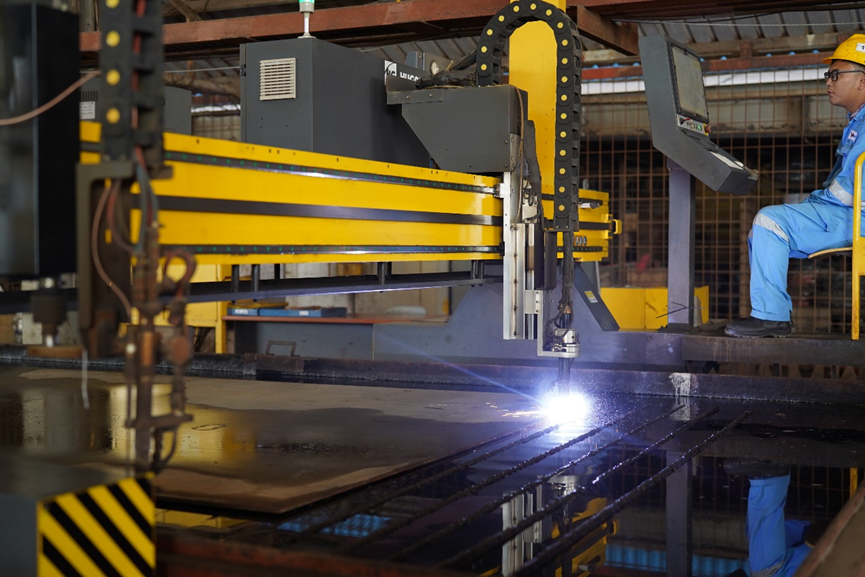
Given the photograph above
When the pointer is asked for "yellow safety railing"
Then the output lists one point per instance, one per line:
(858, 244)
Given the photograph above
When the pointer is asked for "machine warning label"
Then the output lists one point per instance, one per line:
(86, 111)
(592, 298)
(693, 125)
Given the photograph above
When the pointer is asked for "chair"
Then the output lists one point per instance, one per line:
(857, 251)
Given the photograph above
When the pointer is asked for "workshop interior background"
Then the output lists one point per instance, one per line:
(783, 128)
(776, 120)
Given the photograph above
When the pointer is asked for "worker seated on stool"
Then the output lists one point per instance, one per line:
(823, 221)
(776, 547)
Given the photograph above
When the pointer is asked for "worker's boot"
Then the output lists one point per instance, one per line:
(753, 328)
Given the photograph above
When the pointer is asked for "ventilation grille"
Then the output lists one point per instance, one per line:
(278, 79)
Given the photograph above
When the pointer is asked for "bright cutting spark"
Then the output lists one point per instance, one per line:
(566, 408)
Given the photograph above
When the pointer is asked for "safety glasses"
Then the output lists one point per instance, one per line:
(835, 74)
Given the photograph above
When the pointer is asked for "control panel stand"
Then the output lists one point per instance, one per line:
(680, 270)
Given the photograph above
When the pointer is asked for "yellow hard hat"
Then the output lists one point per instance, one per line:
(852, 50)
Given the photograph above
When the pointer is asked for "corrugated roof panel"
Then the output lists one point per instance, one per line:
(724, 33)
(450, 48)
(796, 24)
(846, 20)
(771, 26)
(747, 28)
(821, 22)
(702, 33)
(429, 46)
(649, 28)
(385, 52)
(679, 31)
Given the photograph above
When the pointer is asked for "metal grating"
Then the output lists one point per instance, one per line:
(785, 129)
(278, 79)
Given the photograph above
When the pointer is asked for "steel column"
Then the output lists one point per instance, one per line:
(679, 543)
(680, 279)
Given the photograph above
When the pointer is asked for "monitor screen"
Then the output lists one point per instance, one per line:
(690, 92)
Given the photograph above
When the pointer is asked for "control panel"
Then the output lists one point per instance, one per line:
(679, 116)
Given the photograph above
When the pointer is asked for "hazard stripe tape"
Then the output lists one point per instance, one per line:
(51, 561)
(103, 531)
(133, 512)
(138, 492)
(132, 558)
(86, 545)
(60, 547)
(47, 568)
(142, 542)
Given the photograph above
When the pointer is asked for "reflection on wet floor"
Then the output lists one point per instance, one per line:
(616, 483)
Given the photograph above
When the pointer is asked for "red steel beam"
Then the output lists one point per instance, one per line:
(659, 9)
(181, 556)
(786, 61)
(449, 16)
(594, 26)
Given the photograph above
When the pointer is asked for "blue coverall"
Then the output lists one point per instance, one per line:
(775, 547)
(824, 220)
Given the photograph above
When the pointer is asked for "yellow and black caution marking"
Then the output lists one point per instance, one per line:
(104, 530)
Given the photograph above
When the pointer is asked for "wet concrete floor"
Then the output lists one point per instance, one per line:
(275, 447)
(252, 445)
(823, 448)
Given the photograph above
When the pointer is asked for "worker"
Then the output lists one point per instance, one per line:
(776, 546)
(822, 221)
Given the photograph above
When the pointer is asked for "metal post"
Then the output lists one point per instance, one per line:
(513, 555)
(679, 545)
(514, 275)
(87, 15)
(384, 271)
(235, 278)
(680, 271)
(256, 277)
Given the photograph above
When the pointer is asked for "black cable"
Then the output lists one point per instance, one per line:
(51, 103)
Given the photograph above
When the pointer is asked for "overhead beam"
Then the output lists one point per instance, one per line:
(783, 62)
(222, 85)
(182, 7)
(409, 19)
(734, 48)
(618, 37)
(661, 9)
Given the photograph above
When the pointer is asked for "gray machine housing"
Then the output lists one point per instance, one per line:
(37, 157)
(23, 485)
(472, 130)
(690, 149)
(334, 102)
(176, 109)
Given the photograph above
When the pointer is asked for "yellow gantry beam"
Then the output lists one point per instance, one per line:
(235, 203)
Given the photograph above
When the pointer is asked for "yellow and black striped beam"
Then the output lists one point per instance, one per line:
(103, 530)
(234, 203)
